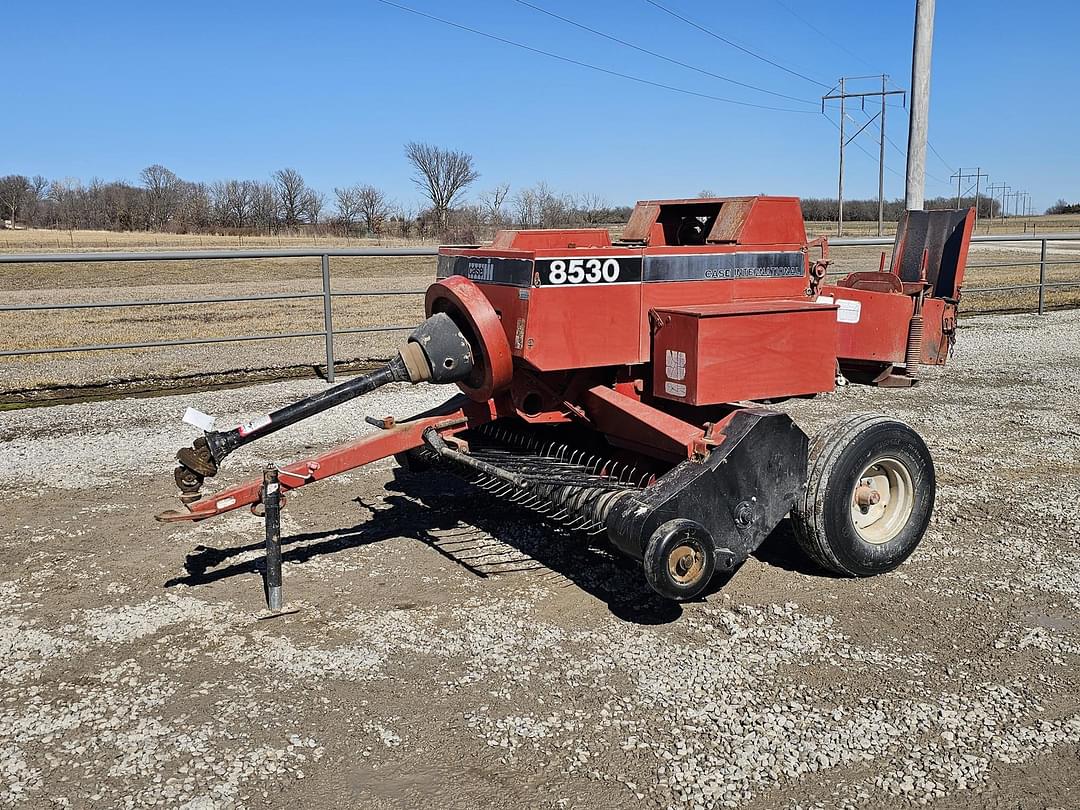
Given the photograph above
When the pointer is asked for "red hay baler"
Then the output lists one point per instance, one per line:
(621, 387)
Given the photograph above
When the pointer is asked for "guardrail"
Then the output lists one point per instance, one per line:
(327, 293)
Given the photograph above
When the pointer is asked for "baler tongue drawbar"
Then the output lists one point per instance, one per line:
(436, 352)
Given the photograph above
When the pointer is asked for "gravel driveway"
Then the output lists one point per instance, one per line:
(449, 651)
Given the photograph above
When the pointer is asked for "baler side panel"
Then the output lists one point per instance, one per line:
(872, 326)
(584, 326)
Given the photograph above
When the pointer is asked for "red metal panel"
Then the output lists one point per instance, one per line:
(677, 294)
(744, 351)
(880, 331)
(583, 327)
(636, 426)
(774, 220)
(548, 239)
(935, 347)
(511, 308)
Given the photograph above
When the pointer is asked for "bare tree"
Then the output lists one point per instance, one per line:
(33, 206)
(540, 207)
(195, 211)
(527, 208)
(348, 207)
(163, 189)
(233, 202)
(314, 203)
(405, 217)
(374, 206)
(265, 207)
(441, 174)
(591, 208)
(68, 200)
(491, 204)
(292, 193)
(15, 192)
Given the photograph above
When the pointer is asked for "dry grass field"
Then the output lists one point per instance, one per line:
(27, 377)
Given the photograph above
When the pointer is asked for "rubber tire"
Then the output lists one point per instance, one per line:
(822, 517)
(663, 541)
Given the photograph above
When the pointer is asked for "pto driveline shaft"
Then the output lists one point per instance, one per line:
(436, 351)
(221, 443)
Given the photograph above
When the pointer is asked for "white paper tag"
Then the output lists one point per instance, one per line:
(197, 418)
(824, 299)
(849, 312)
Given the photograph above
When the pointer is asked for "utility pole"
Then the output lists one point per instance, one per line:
(881, 164)
(1005, 202)
(840, 183)
(967, 174)
(919, 120)
(996, 187)
(843, 95)
(978, 176)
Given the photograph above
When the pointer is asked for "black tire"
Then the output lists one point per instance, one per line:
(823, 518)
(665, 573)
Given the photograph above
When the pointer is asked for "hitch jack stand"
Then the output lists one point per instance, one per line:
(271, 499)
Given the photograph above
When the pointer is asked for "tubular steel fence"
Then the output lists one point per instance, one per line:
(327, 294)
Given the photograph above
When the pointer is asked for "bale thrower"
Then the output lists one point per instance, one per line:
(622, 387)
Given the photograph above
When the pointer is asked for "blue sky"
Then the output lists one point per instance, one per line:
(238, 89)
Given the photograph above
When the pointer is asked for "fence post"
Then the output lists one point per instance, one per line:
(328, 317)
(1042, 277)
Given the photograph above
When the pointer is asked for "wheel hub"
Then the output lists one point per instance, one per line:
(882, 500)
(685, 564)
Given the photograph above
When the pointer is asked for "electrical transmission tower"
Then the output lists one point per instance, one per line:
(966, 174)
(994, 189)
(843, 96)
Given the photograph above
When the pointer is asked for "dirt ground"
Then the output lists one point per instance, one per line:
(452, 652)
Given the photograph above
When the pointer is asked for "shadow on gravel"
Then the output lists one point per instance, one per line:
(781, 550)
(486, 536)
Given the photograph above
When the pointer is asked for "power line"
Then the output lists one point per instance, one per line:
(660, 55)
(939, 157)
(860, 147)
(903, 154)
(736, 45)
(821, 33)
(579, 63)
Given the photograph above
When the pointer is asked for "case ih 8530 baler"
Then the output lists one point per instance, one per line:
(621, 386)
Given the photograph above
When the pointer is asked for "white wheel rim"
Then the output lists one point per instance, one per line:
(882, 500)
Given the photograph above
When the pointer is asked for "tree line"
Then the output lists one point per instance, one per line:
(162, 201)
(1064, 207)
(825, 209)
